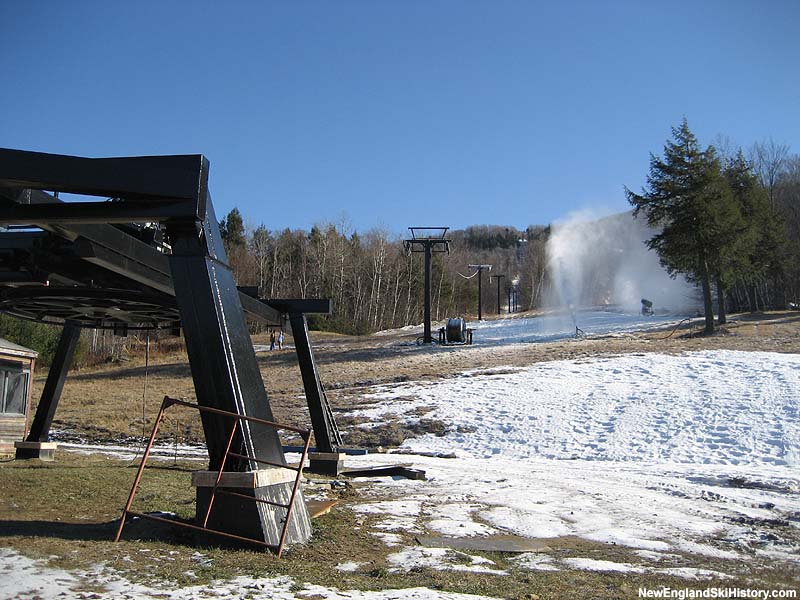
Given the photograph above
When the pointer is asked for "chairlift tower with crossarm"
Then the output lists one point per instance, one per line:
(480, 269)
(427, 240)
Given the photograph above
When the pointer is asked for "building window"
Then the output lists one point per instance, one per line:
(13, 389)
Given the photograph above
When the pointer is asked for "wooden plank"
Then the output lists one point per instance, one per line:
(12, 428)
(245, 479)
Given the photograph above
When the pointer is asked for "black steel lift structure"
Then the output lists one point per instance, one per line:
(326, 459)
(151, 256)
(427, 240)
(479, 269)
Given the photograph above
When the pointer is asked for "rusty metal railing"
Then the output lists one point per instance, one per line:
(169, 402)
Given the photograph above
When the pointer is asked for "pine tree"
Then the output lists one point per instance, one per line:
(759, 249)
(232, 229)
(689, 202)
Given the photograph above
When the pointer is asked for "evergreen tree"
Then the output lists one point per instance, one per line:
(689, 202)
(758, 252)
(232, 229)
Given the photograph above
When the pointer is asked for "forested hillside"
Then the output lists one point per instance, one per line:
(373, 282)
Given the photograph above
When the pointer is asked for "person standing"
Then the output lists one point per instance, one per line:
(280, 340)
(271, 340)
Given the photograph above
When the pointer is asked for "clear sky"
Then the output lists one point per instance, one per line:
(399, 113)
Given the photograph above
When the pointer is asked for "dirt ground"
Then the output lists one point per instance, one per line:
(111, 402)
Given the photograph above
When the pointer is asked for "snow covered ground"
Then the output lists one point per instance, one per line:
(554, 326)
(721, 407)
(558, 326)
(658, 453)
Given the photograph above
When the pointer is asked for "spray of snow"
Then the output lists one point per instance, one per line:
(602, 261)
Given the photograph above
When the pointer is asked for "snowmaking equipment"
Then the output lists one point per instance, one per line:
(455, 332)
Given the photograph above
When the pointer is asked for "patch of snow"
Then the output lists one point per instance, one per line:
(655, 556)
(554, 326)
(25, 578)
(541, 562)
(442, 559)
(390, 539)
(535, 562)
(134, 449)
(559, 326)
(349, 567)
(406, 329)
(456, 520)
(400, 514)
(400, 508)
(691, 573)
(590, 564)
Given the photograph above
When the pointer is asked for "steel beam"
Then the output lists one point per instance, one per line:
(480, 269)
(51, 394)
(260, 311)
(480, 294)
(426, 335)
(320, 306)
(326, 433)
(120, 263)
(165, 180)
(130, 211)
(221, 353)
(499, 279)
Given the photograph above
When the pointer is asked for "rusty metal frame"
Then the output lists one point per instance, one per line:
(169, 402)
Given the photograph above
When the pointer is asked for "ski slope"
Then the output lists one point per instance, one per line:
(561, 325)
(554, 326)
(658, 453)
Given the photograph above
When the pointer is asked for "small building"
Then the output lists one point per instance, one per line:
(16, 368)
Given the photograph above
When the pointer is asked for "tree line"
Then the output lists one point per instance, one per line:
(373, 282)
(727, 220)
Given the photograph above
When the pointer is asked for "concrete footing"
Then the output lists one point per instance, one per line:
(45, 451)
(247, 517)
(326, 463)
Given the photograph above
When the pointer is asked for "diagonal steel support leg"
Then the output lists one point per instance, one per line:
(326, 433)
(51, 394)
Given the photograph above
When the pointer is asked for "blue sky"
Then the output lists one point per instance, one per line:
(392, 114)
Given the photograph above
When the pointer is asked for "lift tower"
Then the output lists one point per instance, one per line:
(427, 240)
(480, 269)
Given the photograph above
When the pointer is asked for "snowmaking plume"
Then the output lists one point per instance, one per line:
(604, 262)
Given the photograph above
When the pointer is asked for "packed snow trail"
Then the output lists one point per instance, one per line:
(721, 407)
(657, 452)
